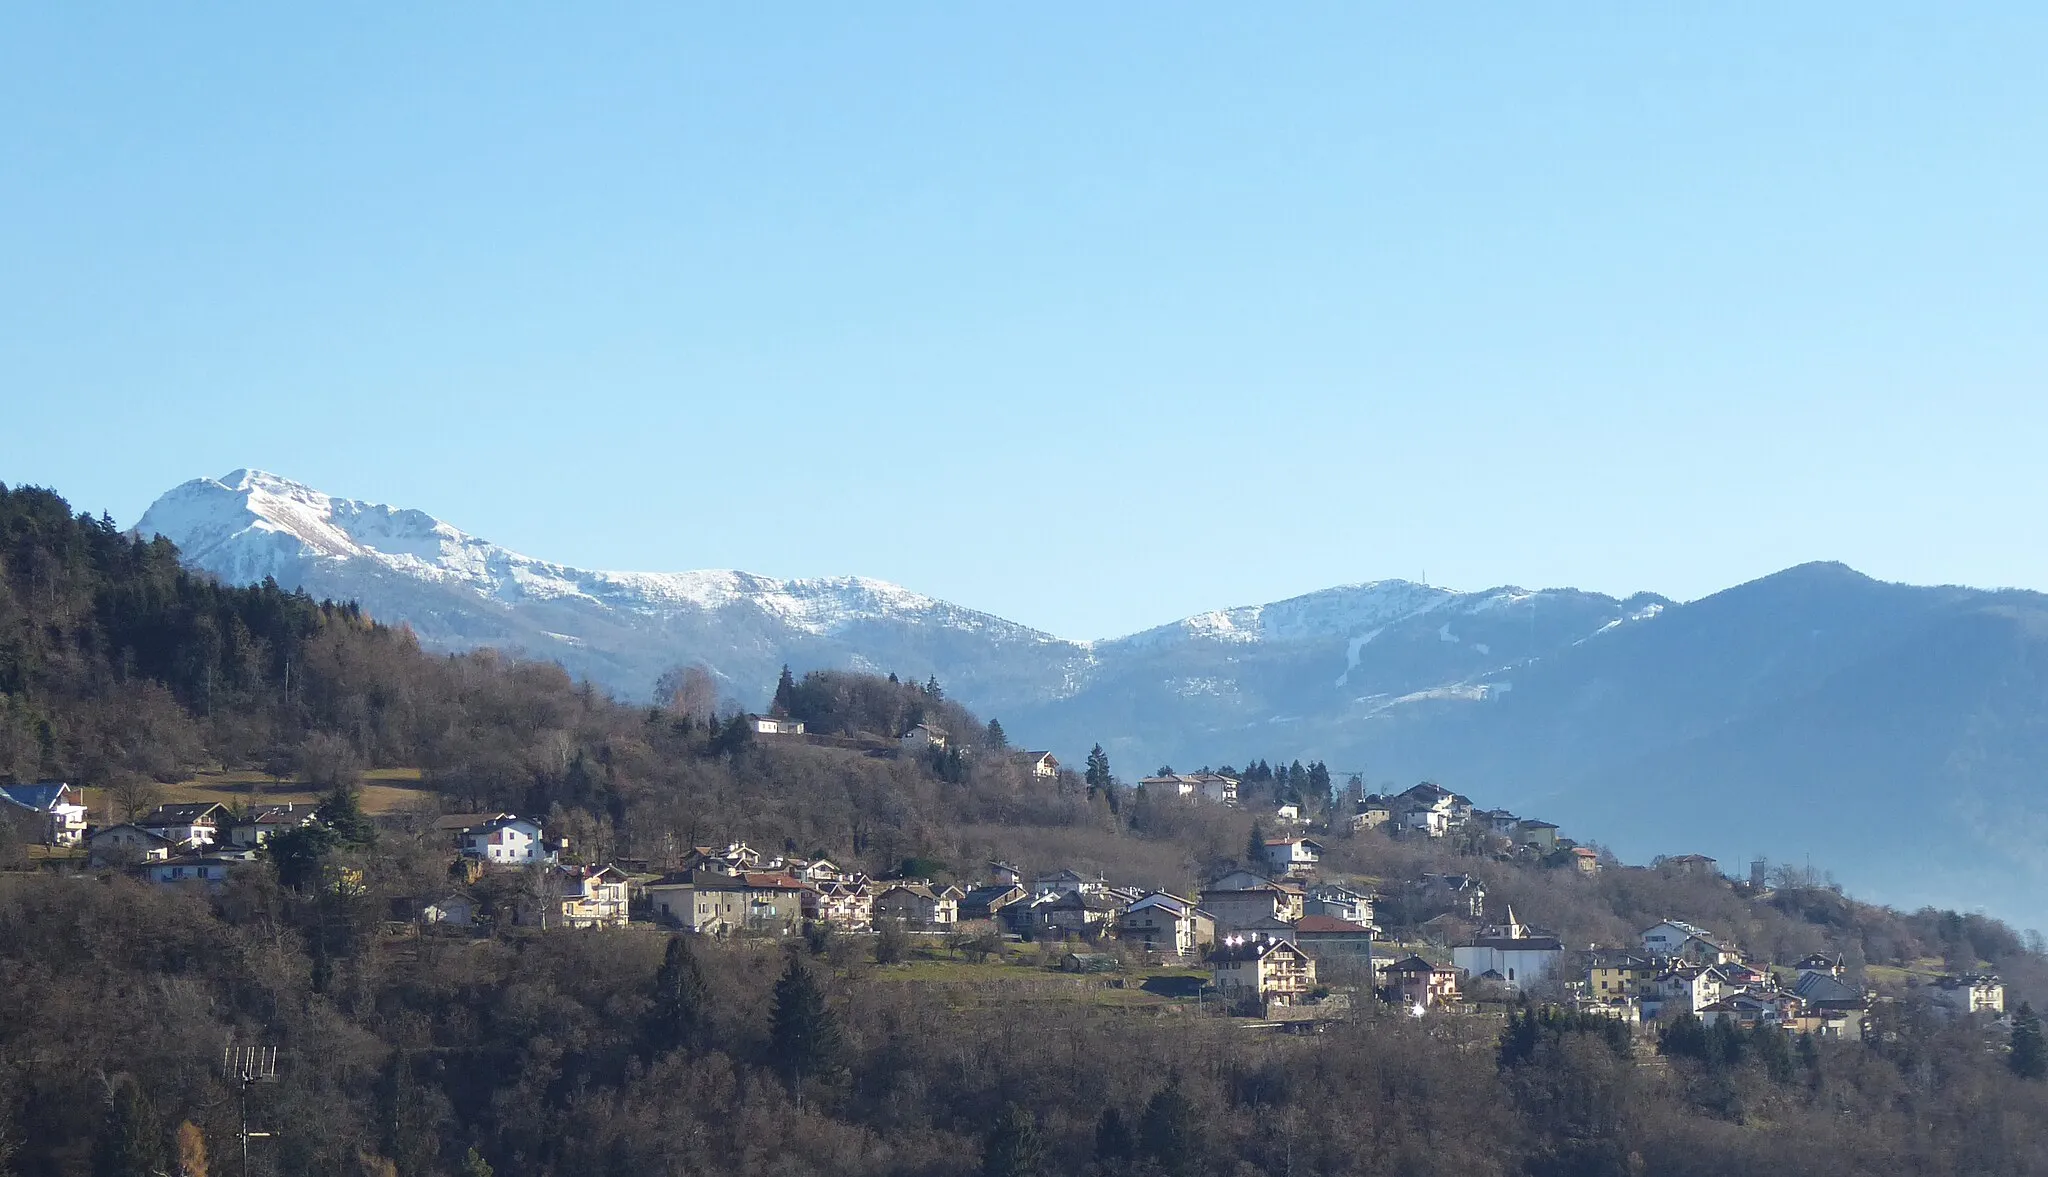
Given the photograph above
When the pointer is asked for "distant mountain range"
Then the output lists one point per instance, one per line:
(1893, 734)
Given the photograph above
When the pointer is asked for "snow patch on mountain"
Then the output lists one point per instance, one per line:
(250, 524)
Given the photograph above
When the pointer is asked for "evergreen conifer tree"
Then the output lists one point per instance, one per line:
(1319, 783)
(785, 694)
(1098, 774)
(2029, 1057)
(1013, 1148)
(995, 739)
(681, 1001)
(133, 1143)
(931, 689)
(803, 1035)
(1115, 1147)
(474, 1165)
(1168, 1133)
(1255, 847)
(342, 813)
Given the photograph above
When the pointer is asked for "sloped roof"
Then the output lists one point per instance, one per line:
(144, 831)
(457, 822)
(1328, 924)
(1517, 943)
(1172, 903)
(179, 815)
(40, 795)
(1688, 929)
(1252, 949)
(1415, 964)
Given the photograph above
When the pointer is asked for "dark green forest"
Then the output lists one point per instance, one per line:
(637, 1053)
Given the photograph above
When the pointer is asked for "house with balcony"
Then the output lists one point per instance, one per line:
(1292, 856)
(755, 901)
(1257, 968)
(52, 810)
(193, 825)
(508, 840)
(578, 897)
(1417, 984)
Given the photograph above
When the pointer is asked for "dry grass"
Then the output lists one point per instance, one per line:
(385, 790)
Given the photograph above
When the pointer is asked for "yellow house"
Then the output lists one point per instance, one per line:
(1616, 975)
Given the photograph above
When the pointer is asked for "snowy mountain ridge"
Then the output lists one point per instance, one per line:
(1855, 697)
(250, 524)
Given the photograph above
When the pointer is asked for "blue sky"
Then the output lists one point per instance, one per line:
(1088, 318)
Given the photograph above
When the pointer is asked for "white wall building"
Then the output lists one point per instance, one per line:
(1521, 958)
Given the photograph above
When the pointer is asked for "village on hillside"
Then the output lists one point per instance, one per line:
(1275, 937)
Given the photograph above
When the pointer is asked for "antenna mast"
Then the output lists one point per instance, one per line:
(247, 1066)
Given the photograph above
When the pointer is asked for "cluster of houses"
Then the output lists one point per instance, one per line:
(1432, 811)
(1271, 933)
(1681, 968)
(926, 738)
(193, 842)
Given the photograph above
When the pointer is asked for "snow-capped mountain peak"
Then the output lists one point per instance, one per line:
(250, 524)
(1382, 639)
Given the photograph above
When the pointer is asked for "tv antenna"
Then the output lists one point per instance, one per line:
(246, 1066)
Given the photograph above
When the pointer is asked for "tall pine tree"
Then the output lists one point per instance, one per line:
(803, 1035)
(342, 813)
(1255, 847)
(1098, 774)
(1116, 1149)
(2029, 1057)
(133, 1143)
(785, 694)
(1168, 1134)
(1013, 1148)
(994, 737)
(680, 1017)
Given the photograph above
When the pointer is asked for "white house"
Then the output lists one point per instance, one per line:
(189, 868)
(923, 738)
(1069, 881)
(1429, 809)
(1679, 940)
(1041, 765)
(1292, 855)
(261, 827)
(1971, 993)
(56, 808)
(775, 725)
(1210, 786)
(507, 841)
(1339, 903)
(195, 824)
(1521, 958)
(1688, 989)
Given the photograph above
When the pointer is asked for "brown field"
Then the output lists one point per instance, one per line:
(385, 790)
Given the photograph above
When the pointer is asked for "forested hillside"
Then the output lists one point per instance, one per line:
(632, 1052)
